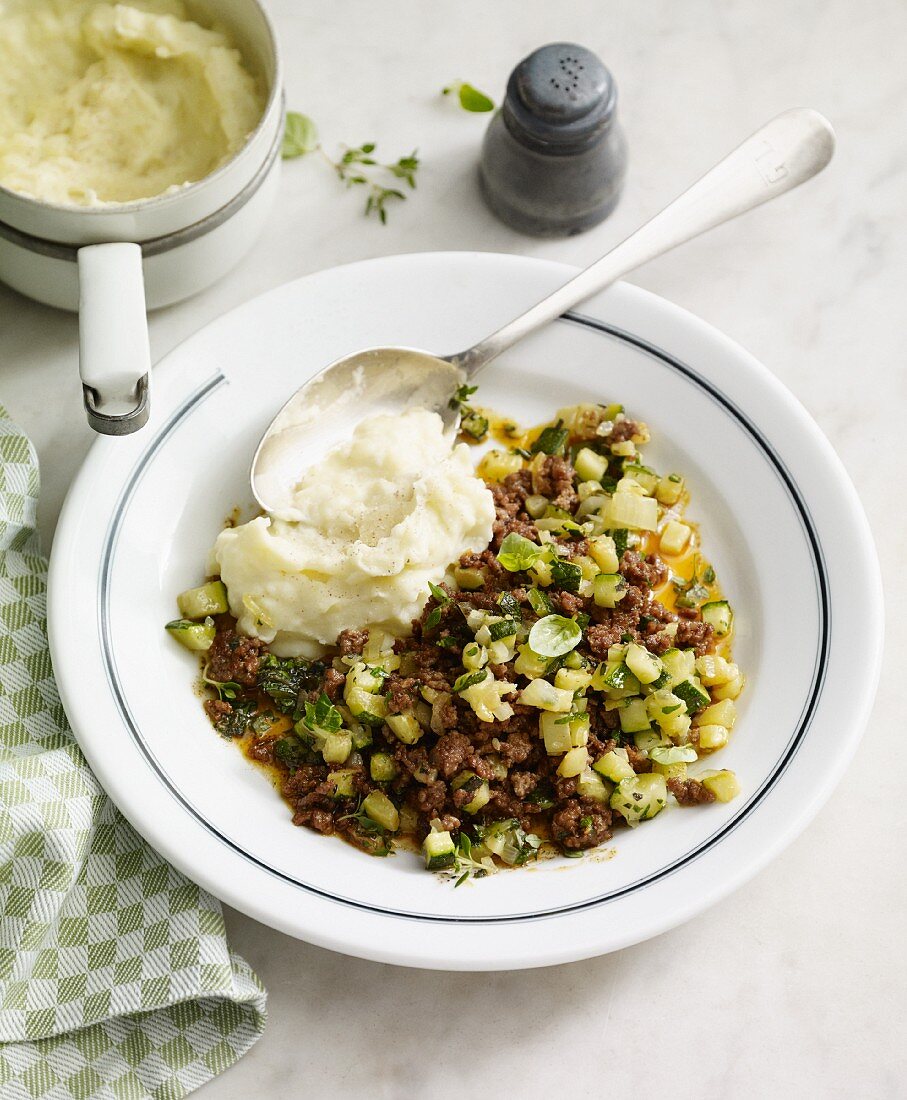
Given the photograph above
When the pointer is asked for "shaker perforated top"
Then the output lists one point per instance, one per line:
(560, 95)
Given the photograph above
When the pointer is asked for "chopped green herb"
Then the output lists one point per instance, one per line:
(462, 396)
(237, 721)
(283, 678)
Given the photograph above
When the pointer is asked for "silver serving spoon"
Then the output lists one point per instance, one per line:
(786, 152)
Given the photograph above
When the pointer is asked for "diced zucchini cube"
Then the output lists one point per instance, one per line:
(731, 689)
(630, 510)
(633, 716)
(722, 713)
(539, 693)
(645, 666)
(640, 797)
(575, 761)
(591, 785)
(608, 589)
(497, 464)
(195, 636)
(614, 765)
(382, 767)
(674, 537)
(723, 785)
(604, 553)
(381, 810)
(719, 616)
(712, 737)
(208, 599)
(590, 466)
(344, 783)
(555, 734)
(669, 489)
(573, 679)
(337, 747)
(439, 850)
(693, 694)
(405, 728)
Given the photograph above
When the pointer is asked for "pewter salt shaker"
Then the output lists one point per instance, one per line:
(554, 156)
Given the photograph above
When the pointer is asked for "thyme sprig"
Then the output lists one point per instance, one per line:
(357, 166)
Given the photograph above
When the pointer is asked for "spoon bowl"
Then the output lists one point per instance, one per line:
(323, 412)
(784, 153)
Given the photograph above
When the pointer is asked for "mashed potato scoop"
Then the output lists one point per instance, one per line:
(323, 413)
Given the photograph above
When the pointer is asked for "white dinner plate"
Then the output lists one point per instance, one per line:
(780, 520)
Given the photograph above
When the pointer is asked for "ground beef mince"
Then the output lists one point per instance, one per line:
(690, 792)
(233, 658)
(433, 756)
(554, 479)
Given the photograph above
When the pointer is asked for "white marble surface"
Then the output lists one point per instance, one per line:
(796, 984)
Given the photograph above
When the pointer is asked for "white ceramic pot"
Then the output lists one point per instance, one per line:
(111, 262)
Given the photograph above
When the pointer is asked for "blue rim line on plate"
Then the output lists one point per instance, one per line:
(194, 400)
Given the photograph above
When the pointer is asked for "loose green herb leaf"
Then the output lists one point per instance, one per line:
(300, 136)
(323, 715)
(554, 636)
(471, 99)
(442, 599)
(518, 553)
(552, 440)
(566, 575)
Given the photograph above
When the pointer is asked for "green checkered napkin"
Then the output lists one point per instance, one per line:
(115, 976)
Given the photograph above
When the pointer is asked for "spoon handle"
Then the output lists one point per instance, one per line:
(784, 153)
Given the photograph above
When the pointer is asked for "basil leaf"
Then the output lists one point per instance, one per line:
(471, 99)
(300, 136)
(518, 553)
(554, 635)
(552, 440)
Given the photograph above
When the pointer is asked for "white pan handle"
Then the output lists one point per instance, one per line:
(114, 356)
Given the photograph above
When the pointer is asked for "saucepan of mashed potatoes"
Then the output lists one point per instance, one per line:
(369, 527)
(124, 123)
(114, 102)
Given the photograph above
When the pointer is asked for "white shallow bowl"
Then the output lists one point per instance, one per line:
(780, 519)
